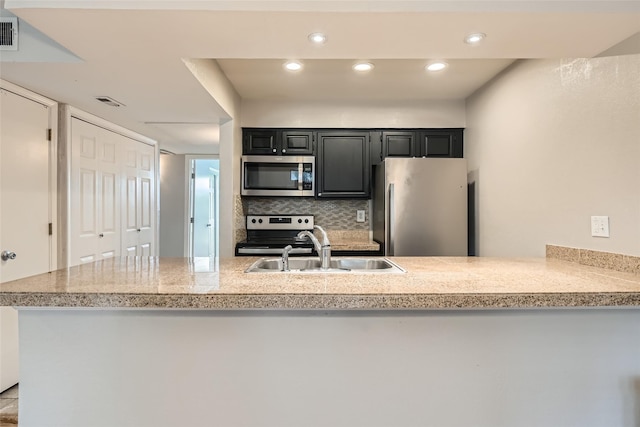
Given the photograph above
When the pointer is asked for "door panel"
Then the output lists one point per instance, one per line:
(94, 217)
(140, 200)
(24, 171)
(24, 209)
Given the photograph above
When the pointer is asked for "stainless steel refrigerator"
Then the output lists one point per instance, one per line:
(420, 206)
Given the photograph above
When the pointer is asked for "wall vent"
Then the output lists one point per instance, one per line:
(109, 101)
(8, 33)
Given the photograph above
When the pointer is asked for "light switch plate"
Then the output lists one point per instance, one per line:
(600, 226)
(360, 216)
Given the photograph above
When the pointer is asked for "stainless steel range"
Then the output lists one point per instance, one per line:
(269, 234)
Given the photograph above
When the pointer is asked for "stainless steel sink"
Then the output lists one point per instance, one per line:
(338, 265)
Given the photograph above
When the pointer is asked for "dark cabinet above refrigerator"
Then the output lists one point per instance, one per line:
(405, 143)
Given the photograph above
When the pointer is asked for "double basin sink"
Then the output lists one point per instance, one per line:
(337, 265)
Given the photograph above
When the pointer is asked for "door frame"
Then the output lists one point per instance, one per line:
(188, 198)
(54, 214)
(67, 113)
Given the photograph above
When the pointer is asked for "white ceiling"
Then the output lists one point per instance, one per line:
(133, 51)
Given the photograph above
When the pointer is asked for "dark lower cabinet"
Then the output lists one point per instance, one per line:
(343, 165)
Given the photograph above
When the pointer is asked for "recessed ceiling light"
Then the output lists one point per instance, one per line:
(436, 66)
(474, 38)
(363, 66)
(317, 38)
(293, 65)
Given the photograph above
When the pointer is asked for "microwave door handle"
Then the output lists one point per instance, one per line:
(300, 170)
(391, 228)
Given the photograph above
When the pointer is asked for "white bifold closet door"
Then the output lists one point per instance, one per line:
(112, 194)
(139, 187)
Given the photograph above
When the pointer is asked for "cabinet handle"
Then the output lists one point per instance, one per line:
(284, 151)
(139, 230)
(101, 235)
(274, 150)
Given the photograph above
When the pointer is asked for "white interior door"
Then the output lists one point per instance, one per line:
(25, 209)
(204, 210)
(95, 201)
(139, 219)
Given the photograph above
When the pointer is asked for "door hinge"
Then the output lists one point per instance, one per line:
(49, 134)
(193, 176)
(50, 229)
(191, 220)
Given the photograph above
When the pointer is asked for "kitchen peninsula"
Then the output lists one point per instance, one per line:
(453, 341)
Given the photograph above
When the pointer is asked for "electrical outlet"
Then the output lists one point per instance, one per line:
(360, 216)
(600, 226)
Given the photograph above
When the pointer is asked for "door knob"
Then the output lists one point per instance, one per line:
(8, 255)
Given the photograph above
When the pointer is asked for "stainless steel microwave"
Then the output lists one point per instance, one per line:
(278, 175)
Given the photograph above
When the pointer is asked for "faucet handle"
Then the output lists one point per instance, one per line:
(285, 257)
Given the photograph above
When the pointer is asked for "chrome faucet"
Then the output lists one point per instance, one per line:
(323, 249)
(285, 257)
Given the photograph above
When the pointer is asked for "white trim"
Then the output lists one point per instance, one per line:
(19, 90)
(68, 112)
(189, 158)
(105, 124)
(52, 107)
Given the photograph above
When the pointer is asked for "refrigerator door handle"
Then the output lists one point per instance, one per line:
(392, 221)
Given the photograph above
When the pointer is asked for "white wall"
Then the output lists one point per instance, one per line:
(216, 83)
(173, 215)
(353, 114)
(482, 368)
(550, 143)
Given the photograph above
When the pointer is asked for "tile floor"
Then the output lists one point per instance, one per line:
(9, 407)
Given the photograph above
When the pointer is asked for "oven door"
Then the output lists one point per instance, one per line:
(278, 175)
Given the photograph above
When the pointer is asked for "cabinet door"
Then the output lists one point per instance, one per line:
(297, 142)
(259, 141)
(441, 143)
(399, 144)
(343, 165)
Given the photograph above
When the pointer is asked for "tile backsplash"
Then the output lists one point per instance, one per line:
(330, 214)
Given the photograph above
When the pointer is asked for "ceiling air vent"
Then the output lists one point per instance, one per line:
(8, 33)
(109, 101)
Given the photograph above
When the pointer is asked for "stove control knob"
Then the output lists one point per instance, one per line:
(299, 221)
(306, 221)
(253, 220)
(260, 220)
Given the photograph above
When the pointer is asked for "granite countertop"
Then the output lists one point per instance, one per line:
(352, 240)
(357, 245)
(430, 282)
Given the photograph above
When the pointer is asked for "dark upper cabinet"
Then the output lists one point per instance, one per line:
(277, 142)
(259, 141)
(399, 144)
(297, 142)
(440, 143)
(343, 164)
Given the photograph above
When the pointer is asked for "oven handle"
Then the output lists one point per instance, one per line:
(269, 251)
